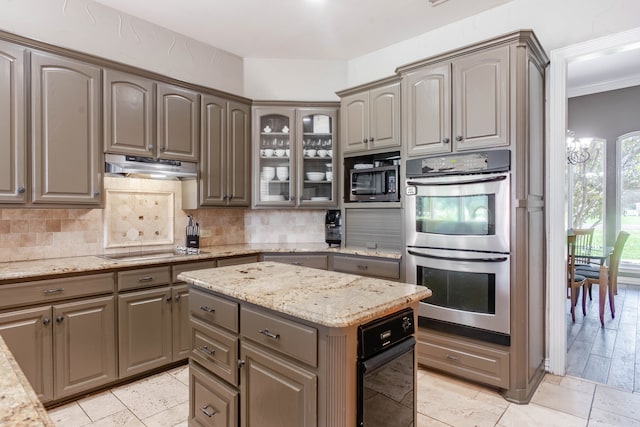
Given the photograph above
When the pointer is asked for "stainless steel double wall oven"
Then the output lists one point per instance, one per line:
(458, 242)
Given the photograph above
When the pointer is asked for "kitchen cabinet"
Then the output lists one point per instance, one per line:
(62, 347)
(457, 105)
(294, 156)
(65, 131)
(305, 260)
(370, 117)
(367, 266)
(13, 170)
(128, 114)
(225, 162)
(177, 123)
(214, 402)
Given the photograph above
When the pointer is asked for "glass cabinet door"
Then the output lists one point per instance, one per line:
(275, 154)
(316, 144)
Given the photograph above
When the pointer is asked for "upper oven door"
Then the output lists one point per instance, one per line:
(469, 212)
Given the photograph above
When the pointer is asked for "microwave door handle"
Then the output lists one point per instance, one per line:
(472, 181)
(446, 258)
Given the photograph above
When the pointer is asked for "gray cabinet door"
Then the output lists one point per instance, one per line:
(427, 110)
(12, 124)
(128, 114)
(84, 345)
(65, 126)
(213, 151)
(145, 332)
(239, 154)
(481, 100)
(177, 123)
(274, 391)
(180, 322)
(384, 116)
(212, 402)
(28, 334)
(354, 122)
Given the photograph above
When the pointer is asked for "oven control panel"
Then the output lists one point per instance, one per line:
(460, 163)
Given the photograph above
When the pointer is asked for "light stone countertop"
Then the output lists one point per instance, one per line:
(322, 297)
(24, 270)
(19, 405)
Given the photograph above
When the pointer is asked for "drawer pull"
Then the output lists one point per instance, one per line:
(269, 334)
(452, 357)
(206, 350)
(207, 309)
(208, 413)
(53, 291)
(145, 279)
(362, 266)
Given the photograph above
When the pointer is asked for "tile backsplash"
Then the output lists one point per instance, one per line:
(27, 234)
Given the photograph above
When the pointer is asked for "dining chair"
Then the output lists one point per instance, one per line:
(584, 237)
(574, 281)
(606, 276)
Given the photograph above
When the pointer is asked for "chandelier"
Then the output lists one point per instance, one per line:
(577, 151)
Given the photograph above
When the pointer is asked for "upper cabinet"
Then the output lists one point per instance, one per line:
(129, 118)
(225, 152)
(12, 124)
(128, 114)
(177, 123)
(370, 117)
(456, 105)
(65, 131)
(294, 152)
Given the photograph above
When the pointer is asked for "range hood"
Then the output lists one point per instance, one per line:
(147, 167)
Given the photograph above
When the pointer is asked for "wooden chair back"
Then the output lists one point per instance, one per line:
(614, 260)
(571, 260)
(584, 238)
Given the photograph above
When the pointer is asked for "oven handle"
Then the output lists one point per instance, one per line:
(388, 355)
(472, 181)
(446, 258)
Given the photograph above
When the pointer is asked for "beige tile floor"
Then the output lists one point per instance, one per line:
(162, 400)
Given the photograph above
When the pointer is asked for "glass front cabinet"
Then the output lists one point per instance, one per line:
(294, 152)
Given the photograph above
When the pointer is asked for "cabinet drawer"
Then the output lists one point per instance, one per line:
(214, 310)
(291, 338)
(216, 350)
(189, 266)
(385, 269)
(312, 261)
(55, 289)
(466, 359)
(247, 259)
(143, 278)
(211, 402)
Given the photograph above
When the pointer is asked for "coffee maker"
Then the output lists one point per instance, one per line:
(333, 227)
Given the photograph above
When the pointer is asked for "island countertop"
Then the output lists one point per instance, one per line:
(322, 297)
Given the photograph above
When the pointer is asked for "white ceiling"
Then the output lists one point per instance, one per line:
(604, 72)
(301, 29)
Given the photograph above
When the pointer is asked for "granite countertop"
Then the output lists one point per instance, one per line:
(322, 297)
(12, 271)
(19, 405)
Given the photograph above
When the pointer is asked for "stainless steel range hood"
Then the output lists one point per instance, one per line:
(147, 167)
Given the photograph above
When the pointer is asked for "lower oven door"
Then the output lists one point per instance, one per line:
(386, 387)
(469, 288)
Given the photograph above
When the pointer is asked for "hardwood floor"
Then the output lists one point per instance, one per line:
(609, 355)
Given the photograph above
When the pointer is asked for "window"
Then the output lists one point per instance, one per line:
(629, 195)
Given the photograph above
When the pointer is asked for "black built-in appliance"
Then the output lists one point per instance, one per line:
(372, 178)
(333, 227)
(458, 242)
(386, 371)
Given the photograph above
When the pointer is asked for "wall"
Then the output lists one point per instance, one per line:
(606, 115)
(90, 27)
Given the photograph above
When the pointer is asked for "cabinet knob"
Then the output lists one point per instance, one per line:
(46, 321)
(162, 148)
(458, 138)
(21, 190)
(177, 298)
(445, 141)
(230, 197)
(241, 363)
(225, 197)
(168, 299)
(364, 141)
(96, 194)
(150, 147)
(371, 139)
(59, 319)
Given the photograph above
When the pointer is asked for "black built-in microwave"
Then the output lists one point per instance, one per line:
(374, 184)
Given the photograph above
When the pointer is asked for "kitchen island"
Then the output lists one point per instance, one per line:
(293, 333)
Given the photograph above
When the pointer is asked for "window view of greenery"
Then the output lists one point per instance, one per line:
(630, 196)
(586, 181)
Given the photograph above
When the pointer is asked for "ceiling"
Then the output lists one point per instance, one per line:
(604, 72)
(301, 29)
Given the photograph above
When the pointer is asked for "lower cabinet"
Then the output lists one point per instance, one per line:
(366, 266)
(63, 348)
(212, 402)
(306, 260)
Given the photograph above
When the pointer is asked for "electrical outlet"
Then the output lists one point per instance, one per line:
(205, 233)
